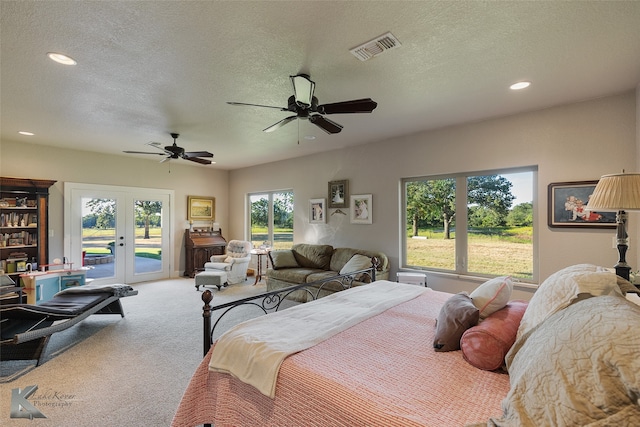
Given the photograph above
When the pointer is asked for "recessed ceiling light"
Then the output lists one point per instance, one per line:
(309, 137)
(24, 132)
(61, 59)
(519, 85)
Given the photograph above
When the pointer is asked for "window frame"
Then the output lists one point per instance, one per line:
(461, 222)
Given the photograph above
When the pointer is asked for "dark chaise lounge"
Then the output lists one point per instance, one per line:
(26, 328)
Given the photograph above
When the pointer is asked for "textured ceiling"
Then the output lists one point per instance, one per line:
(149, 68)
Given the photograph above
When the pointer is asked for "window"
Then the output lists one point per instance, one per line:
(494, 235)
(271, 219)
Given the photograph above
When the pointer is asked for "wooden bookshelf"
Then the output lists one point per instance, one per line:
(24, 224)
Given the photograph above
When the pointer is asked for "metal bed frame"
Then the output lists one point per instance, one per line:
(271, 301)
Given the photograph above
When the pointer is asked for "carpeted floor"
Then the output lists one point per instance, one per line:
(113, 371)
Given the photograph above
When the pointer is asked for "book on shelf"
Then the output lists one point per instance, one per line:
(16, 219)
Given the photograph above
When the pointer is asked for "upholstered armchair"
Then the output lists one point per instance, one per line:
(235, 262)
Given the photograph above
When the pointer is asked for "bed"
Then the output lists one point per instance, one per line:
(383, 371)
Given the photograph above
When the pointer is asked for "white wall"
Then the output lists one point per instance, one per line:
(568, 143)
(18, 159)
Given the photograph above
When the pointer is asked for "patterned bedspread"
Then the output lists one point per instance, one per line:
(381, 372)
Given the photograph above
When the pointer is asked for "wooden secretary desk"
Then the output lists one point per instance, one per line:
(199, 246)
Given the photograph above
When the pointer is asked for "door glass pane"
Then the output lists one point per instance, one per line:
(148, 236)
(283, 220)
(99, 237)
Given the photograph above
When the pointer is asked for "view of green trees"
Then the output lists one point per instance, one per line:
(282, 219)
(500, 237)
(431, 204)
(282, 212)
(103, 214)
(98, 227)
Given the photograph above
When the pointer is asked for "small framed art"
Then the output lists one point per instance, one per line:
(317, 211)
(201, 208)
(361, 208)
(339, 194)
(569, 206)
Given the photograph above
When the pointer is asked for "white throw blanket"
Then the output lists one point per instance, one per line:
(254, 350)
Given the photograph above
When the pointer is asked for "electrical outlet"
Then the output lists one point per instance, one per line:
(50, 232)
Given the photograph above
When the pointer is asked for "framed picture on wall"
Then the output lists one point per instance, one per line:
(201, 208)
(339, 194)
(317, 211)
(569, 206)
(361, 209)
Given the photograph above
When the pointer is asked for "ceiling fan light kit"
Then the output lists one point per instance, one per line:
(305, 106)
(303, 89)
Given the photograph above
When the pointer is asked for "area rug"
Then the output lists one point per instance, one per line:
(117, 371)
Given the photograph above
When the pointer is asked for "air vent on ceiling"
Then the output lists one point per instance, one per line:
(375, 47)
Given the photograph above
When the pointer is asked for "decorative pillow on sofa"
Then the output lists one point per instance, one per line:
(313, 256)
(562, 288)
(283, 258)
(492, 295)
(357, 262)
(485, 345)
(456, 316)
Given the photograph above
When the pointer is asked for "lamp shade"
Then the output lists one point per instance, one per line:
(616, 192)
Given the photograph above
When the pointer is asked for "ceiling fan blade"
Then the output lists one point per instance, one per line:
(365, 105)
(143, 152)
(198, 154)
(166, 159)
(325, 124)
(198, 160)
(280, 124)
(257, 105)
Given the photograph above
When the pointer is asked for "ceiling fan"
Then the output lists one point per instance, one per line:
(175, 152)
(305, 106)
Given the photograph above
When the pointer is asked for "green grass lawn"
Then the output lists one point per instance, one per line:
(492, 251)
(497, 251)
(96, 242)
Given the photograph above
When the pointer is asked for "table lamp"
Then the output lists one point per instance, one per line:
(620, 193)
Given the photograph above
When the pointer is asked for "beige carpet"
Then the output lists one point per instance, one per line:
(113, 371)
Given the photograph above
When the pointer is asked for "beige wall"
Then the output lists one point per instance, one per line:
(18, 159)
(568, 143)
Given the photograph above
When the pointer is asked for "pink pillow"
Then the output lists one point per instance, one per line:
(485, 345)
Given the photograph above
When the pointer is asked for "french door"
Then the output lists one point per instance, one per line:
(120, 234)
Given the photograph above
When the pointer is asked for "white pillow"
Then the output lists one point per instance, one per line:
(492, 295)
(561, 289)
(356, 263)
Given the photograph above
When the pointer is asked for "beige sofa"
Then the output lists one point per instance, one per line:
(306, 263)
